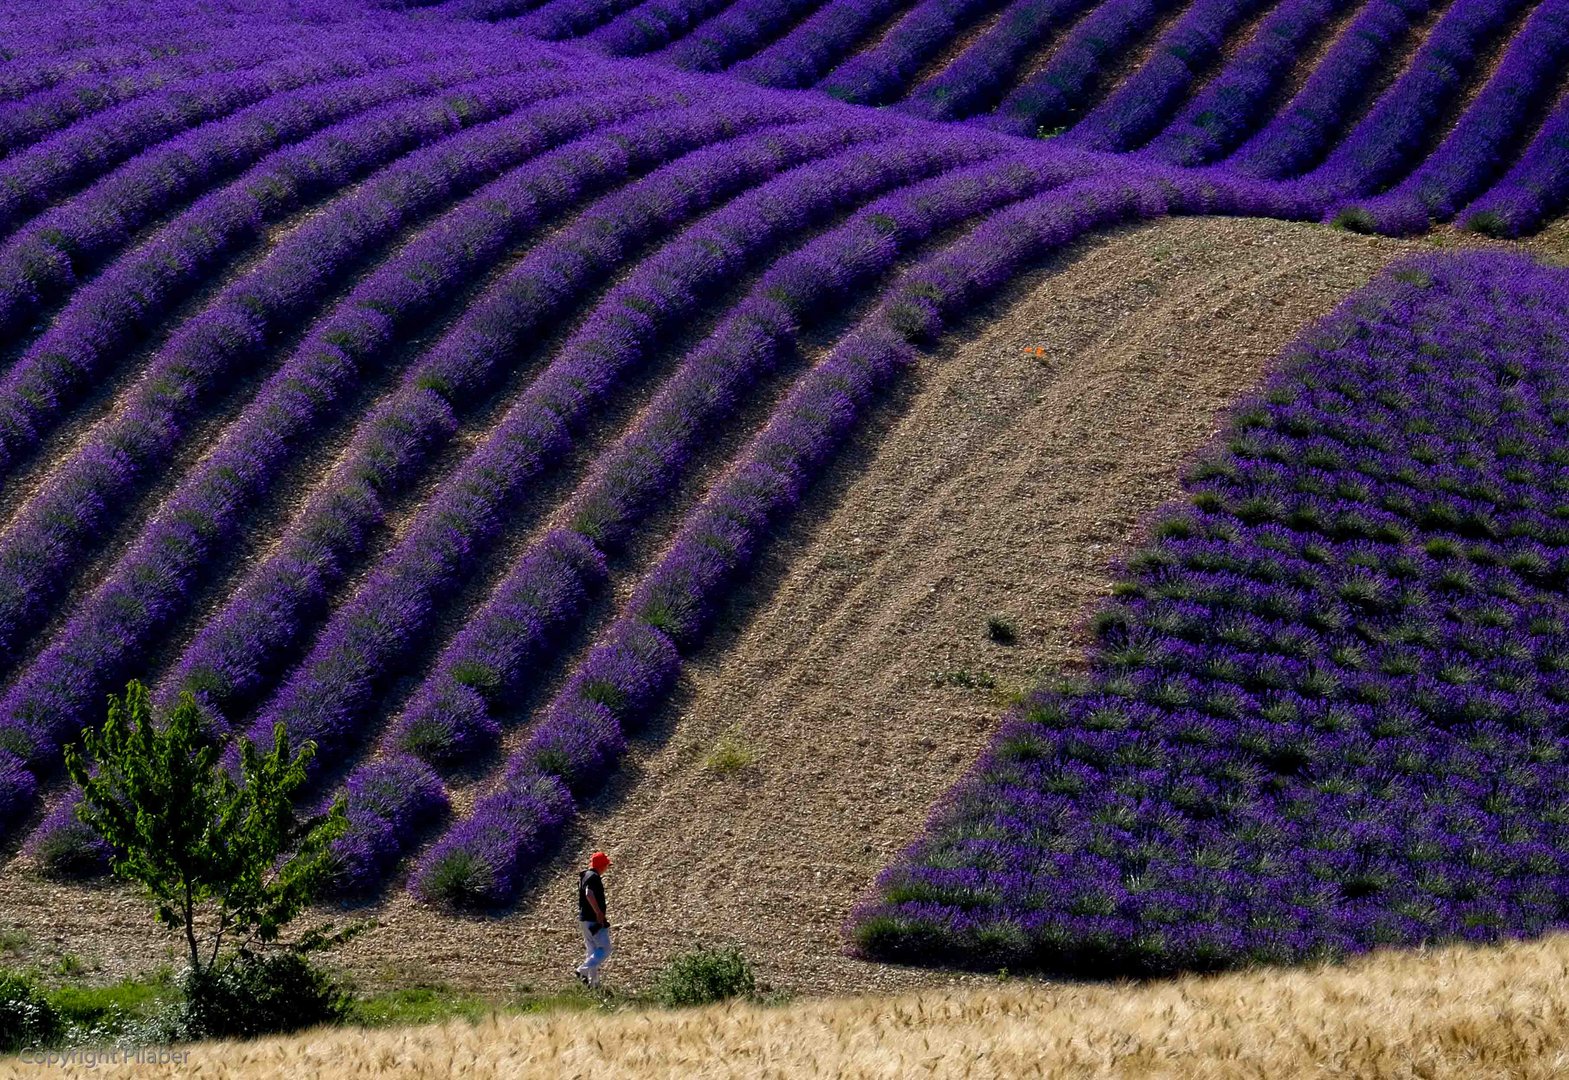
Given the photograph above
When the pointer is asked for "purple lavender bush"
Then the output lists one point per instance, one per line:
(978, 77)
(1231, 105)
(580, 736)
(65, 847)
(879, 74)
(1535, 190)
(1132, 113)
(1056, 96)
(1325, 709)
(388, 800)
(1300, 132)
(814, 46)
(1483, 139)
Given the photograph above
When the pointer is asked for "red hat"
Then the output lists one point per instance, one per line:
(599, 861)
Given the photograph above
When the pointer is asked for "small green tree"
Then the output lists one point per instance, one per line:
(225, 860)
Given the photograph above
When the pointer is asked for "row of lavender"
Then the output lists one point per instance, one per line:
(1325, 710)
(497, 146)
(1210, 88)
(240, 658)
(1504, 165)
(236, 660)
(574, 744)
(155, 583)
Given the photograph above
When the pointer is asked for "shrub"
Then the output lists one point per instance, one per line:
(1355, 219)
(458, 879)
(705, 976)
(26, 1017)
(73, 850)
(180, 824)
(260, 994)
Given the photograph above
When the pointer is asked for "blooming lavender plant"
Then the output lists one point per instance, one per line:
(650, 25)
(1231, 105)
(1484, 137)
(233, 659)
(156, 579)
(810, 50)
(1400, 125)
(85, 493)
(329, 696)
(389, 799)
(105, 318)
(1323, 710)
(740, 30)
(1127, 117)
(1301, 131)
(456, 713)
(979, 77)
(570, 18)
(393, 175)
(57, 164)
(47, 109)
(1535, 190)
(630, 672)
(877, 75)
(1055, 97)
(57, 249)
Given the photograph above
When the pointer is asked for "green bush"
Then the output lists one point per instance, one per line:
(26, 1017)
(260, 995)
(179, 823)
(705, 976)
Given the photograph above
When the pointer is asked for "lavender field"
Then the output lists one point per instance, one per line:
(427, 379)
(1324, 710)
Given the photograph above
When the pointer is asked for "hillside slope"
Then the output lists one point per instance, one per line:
(999, 480)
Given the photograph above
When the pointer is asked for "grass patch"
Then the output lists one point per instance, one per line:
(416, 1005)
(14, 942)
(139, 998)
(433, 1003)
(1001, 629)
(140, 1010)
(576, 999)
(965, 679)
(730, 755)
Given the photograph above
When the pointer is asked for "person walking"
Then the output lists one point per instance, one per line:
(591, 915)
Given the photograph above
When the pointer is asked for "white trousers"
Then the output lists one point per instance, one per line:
(597, 946)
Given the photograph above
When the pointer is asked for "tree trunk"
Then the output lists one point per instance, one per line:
(190, 930)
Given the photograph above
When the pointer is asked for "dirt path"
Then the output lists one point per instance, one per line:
(997, 480)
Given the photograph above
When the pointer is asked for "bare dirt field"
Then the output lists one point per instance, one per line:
(855, 679)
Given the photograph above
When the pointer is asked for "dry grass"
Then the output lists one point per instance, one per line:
(1456, 1012)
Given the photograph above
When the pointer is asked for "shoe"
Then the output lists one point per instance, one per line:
(582, 978)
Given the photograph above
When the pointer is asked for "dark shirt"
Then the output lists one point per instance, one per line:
(589, 882)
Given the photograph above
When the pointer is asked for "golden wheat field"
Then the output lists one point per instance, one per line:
(1453, 1012)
